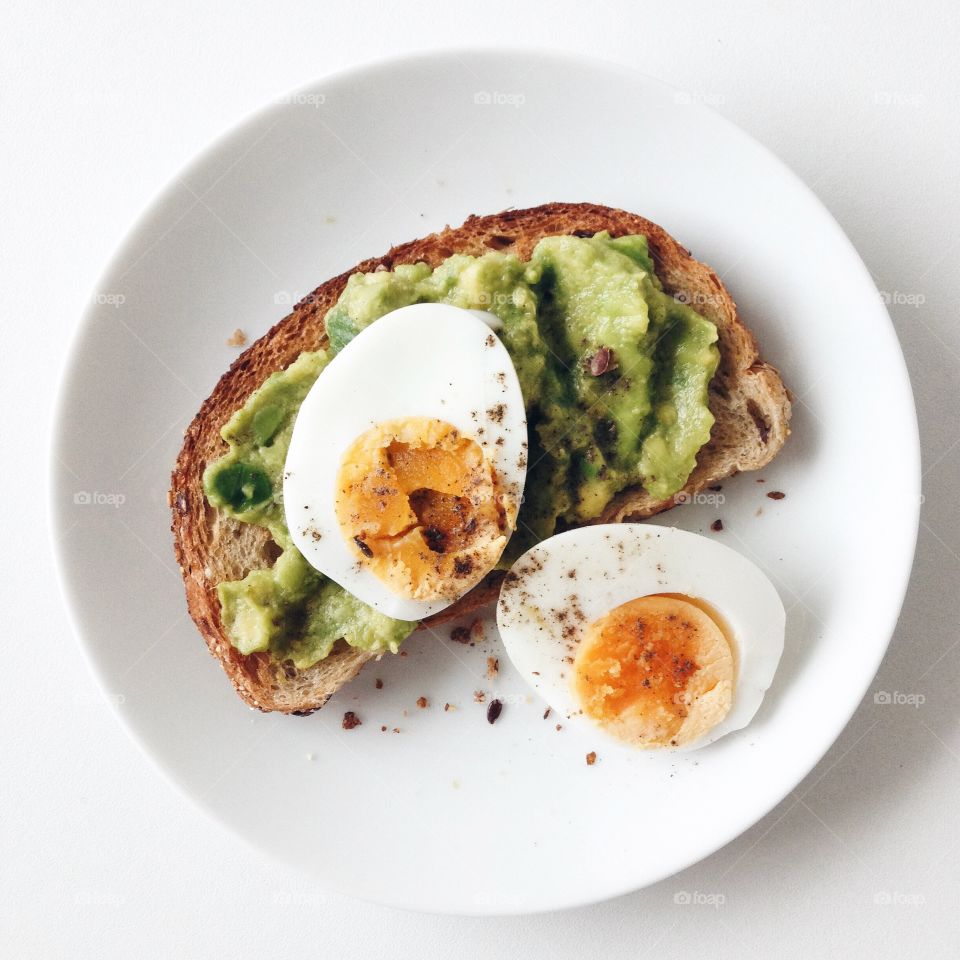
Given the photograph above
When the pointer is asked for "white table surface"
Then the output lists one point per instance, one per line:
(102, 104)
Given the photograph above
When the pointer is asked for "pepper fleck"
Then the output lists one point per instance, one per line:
(362, 547)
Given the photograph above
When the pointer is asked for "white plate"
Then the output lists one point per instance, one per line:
(453, 814)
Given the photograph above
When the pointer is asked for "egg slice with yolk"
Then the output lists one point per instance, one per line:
(408, 459)
(657, 637)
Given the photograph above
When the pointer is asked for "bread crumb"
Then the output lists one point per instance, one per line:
(383, 729)
(350, 720)
(238, 339)
(447, 707)
(378, 683)
(423, 703)
(479, 696)
(591, 758)
(546, 713)
(493, 667)
(460, 635)
(776, 494)
(717, 525)
(396, 729)
(476, 631)
(559, 726)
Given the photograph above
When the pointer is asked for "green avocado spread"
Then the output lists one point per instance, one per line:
(614, 374)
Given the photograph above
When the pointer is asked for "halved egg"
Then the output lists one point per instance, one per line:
(408, 458)
(659, 637)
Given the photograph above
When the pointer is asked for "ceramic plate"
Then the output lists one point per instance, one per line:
(453, 814)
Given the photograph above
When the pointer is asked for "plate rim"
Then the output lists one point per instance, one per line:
(69, 368)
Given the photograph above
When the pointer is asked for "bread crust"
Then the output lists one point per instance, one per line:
(749, 401)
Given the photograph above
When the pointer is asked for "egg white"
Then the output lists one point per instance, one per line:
(425, 360)
(559, 587)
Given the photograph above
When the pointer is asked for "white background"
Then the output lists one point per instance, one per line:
(102, 104)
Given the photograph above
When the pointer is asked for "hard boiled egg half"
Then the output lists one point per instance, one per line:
(659, 637)
(408, 459)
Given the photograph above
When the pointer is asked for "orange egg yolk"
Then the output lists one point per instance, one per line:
(422, 507)
(656, 671)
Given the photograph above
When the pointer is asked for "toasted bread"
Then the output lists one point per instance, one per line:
(747, 398)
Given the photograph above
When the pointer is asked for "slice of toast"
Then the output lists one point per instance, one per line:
(747, 398)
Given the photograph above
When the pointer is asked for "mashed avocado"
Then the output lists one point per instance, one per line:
(614, 374)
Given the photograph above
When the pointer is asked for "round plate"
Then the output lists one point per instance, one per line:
(451, 813)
